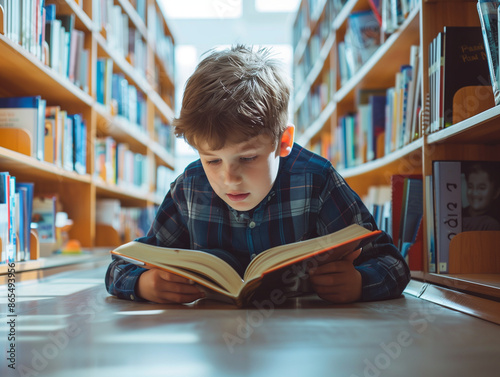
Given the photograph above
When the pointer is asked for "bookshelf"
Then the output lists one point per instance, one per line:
(475, 137)
(144, 61)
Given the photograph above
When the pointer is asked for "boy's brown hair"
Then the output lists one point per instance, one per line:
(234, 95)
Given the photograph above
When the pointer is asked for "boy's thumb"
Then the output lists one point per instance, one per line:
(352, 256)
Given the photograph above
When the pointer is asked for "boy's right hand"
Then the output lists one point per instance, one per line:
(164, 287)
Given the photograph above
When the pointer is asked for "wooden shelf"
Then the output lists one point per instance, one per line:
(483, 128)
(128, 196)
(28, 168)
(479, 284)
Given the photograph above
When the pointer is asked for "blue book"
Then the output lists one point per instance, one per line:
(29, 188)
(4, 214)
(50, 12)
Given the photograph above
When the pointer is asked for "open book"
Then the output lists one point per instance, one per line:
(270, 269)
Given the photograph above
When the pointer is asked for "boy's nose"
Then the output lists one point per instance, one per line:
(231, 175)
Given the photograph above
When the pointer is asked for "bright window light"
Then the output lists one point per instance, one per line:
(277, 5)
(203, 9)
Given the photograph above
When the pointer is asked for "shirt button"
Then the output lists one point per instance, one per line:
(252, 224)
(132, 297)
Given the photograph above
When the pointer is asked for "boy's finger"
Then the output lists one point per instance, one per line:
(169, 276)
(330, 268)
(352, 256)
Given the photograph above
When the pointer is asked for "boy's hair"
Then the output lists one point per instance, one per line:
(234, 95)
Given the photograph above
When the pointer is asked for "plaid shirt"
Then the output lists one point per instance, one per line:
(308, 199)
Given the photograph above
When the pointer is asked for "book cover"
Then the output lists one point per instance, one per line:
(271, 268)
(465, 64)
(467, 198)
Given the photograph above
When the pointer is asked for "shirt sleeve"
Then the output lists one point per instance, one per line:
(167, 230)
(383, 269)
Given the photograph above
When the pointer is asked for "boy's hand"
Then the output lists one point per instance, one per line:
(164, 287)
(338, 281)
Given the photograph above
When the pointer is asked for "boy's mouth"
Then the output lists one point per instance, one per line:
(237, 197)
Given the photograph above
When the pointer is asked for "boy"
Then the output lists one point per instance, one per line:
(253, 189)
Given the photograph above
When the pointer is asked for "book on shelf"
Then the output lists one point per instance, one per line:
(44, 217)
(411, 213)
(27, 113)
(406, 216)
(467, 198)
(488, 16)
(429, 224)
(458, 63)
(271, 269)
(26, 190)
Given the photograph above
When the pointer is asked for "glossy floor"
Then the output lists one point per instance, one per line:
(67, 325)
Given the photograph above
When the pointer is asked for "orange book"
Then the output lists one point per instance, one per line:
(280, 267)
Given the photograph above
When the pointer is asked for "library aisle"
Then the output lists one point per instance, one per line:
(79, 330)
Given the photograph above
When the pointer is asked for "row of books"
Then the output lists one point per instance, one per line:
(23, 22)
(56, 136)
(457, 64)
(67, 54)
(123, 40)
(391, 13)
(460, 196)
(398, 210)
(122, 98)
(386, 119)
(163, 42)
(116, 164)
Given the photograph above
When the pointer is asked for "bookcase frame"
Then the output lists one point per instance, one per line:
(22, 74)
(476, 137)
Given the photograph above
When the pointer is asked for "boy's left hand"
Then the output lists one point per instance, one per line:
(338, 281)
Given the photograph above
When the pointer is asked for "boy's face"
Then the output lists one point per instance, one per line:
(242, 174)
(480, 191)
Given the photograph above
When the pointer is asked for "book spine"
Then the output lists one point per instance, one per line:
(447, 189)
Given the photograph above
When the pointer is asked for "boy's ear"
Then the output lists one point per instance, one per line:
(286, 142)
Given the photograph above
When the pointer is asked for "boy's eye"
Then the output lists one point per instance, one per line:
(248, 159)
(212, 162)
